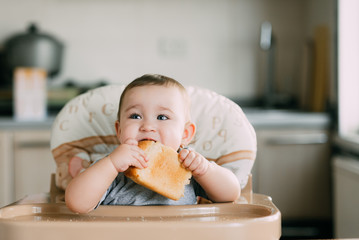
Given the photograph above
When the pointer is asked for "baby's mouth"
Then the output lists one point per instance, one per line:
(147, 139)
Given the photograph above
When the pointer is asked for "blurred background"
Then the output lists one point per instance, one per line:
(278, 59)
(215, 44)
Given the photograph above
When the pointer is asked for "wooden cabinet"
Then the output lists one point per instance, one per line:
(293, 167)
(26, 163)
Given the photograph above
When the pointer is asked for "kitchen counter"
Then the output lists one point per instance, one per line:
(259, 118)
(8, 123)
(348, 143)
(272, 118)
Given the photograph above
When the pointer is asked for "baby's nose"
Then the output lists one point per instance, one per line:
(147, 126)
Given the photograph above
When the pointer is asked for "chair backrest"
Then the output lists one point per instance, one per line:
(84, 131)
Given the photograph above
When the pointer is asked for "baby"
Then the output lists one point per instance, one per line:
(152, 107)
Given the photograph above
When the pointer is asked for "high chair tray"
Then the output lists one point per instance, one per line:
(258, 220)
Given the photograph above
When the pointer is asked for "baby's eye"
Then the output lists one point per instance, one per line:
(135, 116)
(162, 117)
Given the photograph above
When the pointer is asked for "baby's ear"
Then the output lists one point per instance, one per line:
(188, 133)
(117, 127)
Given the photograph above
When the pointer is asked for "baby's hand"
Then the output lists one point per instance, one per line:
(194, 162)
(128, 154)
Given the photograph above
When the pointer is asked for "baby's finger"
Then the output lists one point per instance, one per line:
(195, 163)
(189, 159)
(139, 163)
(183, 154)
(139, 151)
(131, 141)
(143, 163)
(139, 159)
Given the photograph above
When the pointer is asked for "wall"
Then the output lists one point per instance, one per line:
(208, 43)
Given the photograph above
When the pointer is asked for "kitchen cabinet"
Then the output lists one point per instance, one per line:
(345, 173)
(33, 162)
(6, 168)
(346, 196)
(26, 162)
(293, 167)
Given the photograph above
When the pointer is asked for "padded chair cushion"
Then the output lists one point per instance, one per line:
(84, 131)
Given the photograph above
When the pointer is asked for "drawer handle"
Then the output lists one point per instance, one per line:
(299, 140)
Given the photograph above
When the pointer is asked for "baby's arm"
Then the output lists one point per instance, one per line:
(85, 191)
(220, 184)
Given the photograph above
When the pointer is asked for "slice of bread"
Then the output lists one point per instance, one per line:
(164, 174)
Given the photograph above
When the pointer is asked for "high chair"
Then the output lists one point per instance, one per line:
(84, 131)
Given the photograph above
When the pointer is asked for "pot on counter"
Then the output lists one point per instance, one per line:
(34, 49)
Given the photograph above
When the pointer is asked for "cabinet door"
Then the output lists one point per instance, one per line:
(293, 168)
(33, 162)
(6, 168)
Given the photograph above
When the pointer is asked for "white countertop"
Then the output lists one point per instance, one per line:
(9, 123)
(348, 143)
(262, 118)
(259, 118)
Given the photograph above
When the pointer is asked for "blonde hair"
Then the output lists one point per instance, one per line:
(157, 80)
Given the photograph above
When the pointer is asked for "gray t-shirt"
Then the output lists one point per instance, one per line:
(123, 191)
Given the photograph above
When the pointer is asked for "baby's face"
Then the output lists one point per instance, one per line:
(154, 113)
